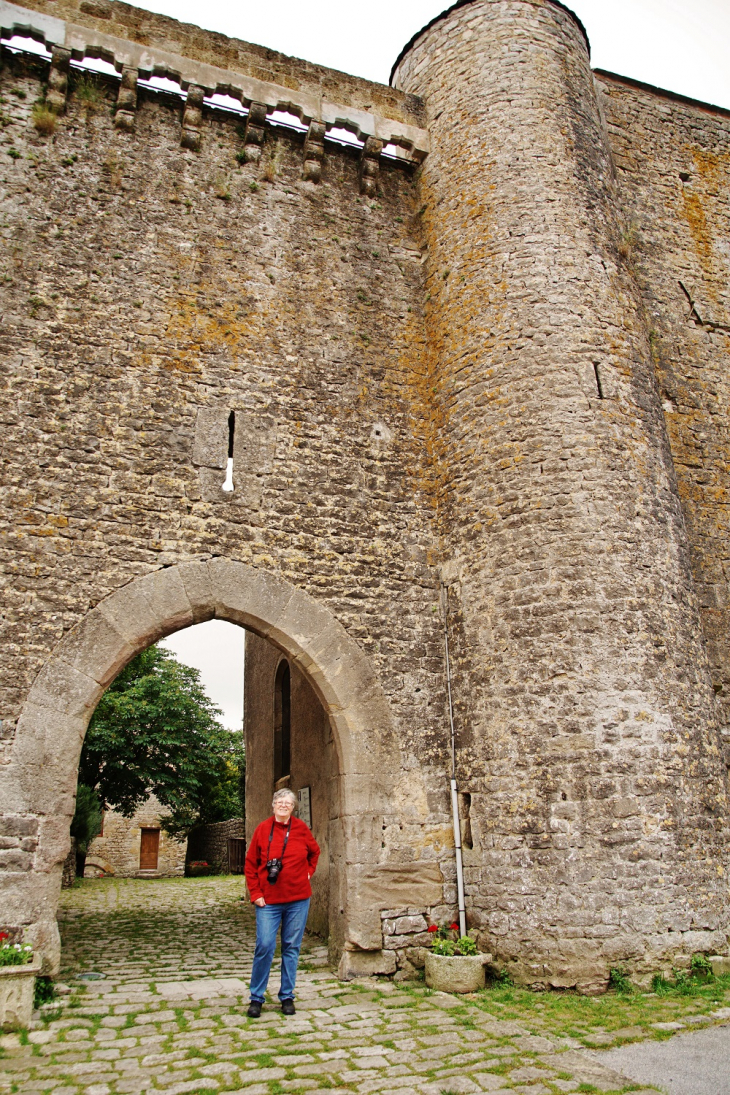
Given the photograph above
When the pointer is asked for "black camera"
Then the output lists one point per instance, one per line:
(273, 869)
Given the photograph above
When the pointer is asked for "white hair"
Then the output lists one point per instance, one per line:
(284, 793)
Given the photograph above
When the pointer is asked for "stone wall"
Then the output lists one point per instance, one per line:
(582, 679)
(504, 370)
(150, 291)
(209, 843)
(673, 155)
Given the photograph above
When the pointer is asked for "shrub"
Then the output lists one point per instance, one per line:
(44, 991)
(91, 93)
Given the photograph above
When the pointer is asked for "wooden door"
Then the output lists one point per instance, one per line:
(236, 854)
(149, 847)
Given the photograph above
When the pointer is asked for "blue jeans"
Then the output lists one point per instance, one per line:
(291, 916)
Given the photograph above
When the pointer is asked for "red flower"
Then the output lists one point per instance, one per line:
(432, 928)
(454, 927)
(4, 935)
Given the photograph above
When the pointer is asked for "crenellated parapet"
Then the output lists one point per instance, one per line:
(307, 103)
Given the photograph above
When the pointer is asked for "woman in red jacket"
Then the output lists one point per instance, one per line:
(281, 859)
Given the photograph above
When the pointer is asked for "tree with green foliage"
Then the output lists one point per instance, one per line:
(86, 823)
(155, 731)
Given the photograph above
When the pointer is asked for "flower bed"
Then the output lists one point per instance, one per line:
(198, 868)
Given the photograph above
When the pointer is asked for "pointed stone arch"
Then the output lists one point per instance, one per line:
(60, 704)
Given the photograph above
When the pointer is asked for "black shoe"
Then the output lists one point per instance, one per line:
(254, 1009)
(287, 1007)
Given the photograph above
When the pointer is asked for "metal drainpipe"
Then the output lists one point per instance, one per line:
(454, 793)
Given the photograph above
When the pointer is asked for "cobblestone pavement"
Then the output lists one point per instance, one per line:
(169, 1015)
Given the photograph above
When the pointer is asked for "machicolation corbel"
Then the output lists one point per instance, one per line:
(370, 166)
(58, 80)
(127, 100)
(253, 136)
(314, 152)
(192, 118)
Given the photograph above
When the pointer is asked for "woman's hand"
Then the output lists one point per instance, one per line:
(260, 902)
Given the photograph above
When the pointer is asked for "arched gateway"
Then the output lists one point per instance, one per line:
(485, 348)
(60, 704)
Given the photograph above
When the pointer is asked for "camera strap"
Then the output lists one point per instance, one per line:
(271, 837)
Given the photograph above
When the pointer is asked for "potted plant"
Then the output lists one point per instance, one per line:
(453, 963)
(18, 972)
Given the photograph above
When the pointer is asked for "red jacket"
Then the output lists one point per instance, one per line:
(299, 863)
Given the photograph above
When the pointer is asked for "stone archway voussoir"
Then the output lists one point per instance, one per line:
(149, 608)
(45, 757)
(247, 596)
(60, 687)
(95, 647)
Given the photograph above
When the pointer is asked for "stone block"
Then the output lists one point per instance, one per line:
(248, 596)
(148, 608)
(14, 826)
(720, 964)
(406, 925)
(365, 964)
(96, 648)
(373, 888)
(210, 449)
(45, 758)
(62, 688)
(198, 586)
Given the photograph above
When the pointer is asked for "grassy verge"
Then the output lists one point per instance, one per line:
(604, 1020)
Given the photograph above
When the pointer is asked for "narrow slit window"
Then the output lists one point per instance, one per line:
(599, 385)
(465, 809)
(282, 722)
(228, 483)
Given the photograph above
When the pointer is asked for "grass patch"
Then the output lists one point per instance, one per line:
(579, 1017)
(44, 120)
(264, 1060)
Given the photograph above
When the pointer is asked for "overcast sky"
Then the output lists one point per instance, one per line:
(216, 649)
(682, 45)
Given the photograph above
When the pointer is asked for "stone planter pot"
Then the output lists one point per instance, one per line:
(16, 995)
(462, 973)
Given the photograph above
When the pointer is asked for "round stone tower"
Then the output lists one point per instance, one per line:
(587, 734)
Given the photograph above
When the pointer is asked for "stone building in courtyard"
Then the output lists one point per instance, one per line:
(465, 375)
(135, 847)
